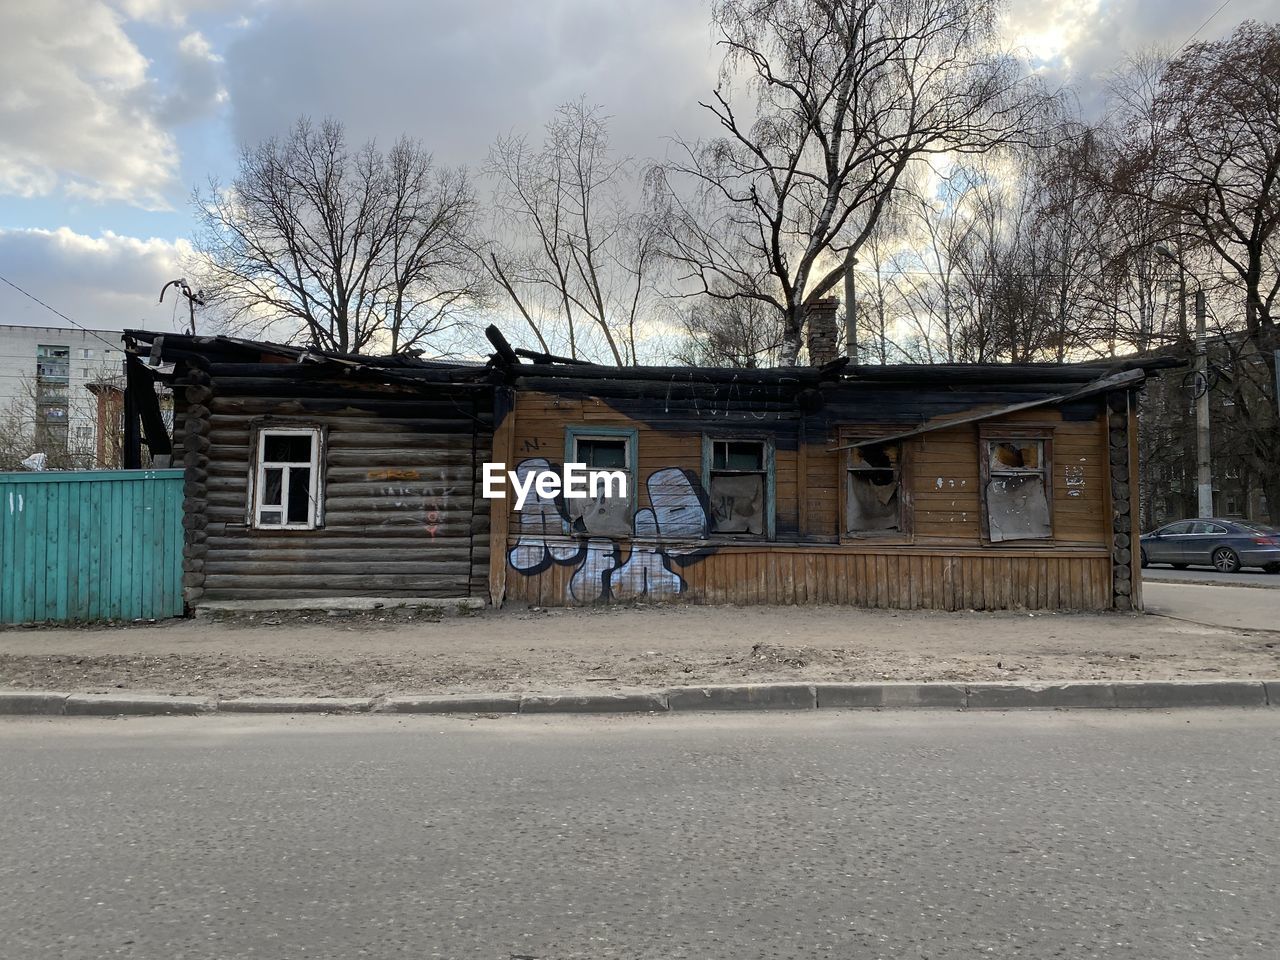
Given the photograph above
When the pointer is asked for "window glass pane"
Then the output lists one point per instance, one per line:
(874, 458)
(286, 448)
(1173, 529)
(269, 518)
(1009, 455)
(1203, 526)
(603, 454)
(738, 455)
(272, 486)
(299, 494)
(1017, 508)
(1259, 528)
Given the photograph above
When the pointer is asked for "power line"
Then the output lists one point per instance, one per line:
(1203, 25)
(74, 323)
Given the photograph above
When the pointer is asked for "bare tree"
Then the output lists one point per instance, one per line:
(847, 95)
(576, 259)
(350, 251)
(1209, 161)
(62, 431)
(728, 333)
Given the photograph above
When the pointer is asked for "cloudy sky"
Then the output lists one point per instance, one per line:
(112, 110)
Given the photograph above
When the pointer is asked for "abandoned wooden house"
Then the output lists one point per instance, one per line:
(945, 487)
(314, 475)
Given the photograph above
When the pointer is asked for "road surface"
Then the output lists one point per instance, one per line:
(1216, 606)
(931, 835)
(1250, 577)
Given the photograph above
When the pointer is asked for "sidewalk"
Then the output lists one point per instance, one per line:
(389, 654)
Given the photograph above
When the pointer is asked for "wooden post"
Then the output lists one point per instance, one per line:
(1135, 513)
(197, 393)
(802, 476)
(1124, 548)
(504, 436)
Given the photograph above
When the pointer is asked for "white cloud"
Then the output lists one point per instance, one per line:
(76, 112)
(173, 13)
(196, 87)
(1085, 42)
(109, 281)
(458, 75)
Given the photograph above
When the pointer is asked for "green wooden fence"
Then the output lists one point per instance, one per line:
(90, 545)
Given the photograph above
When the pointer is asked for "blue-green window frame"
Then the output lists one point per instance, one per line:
(709, 441)
(630, 434)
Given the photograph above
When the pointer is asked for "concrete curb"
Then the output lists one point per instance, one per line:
(628, 701)
(1088, 695)
(135, 705)
(296, 705)
(747, 696)
(457, 703)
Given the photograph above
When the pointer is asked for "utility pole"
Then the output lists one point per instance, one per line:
(850, 308)
(1204, 466)
(1204, 474)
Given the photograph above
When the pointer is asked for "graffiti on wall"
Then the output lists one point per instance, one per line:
(662, 534)
(412, 500)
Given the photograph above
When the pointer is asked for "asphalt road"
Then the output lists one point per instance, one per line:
(932, 835)
(1214, 606)
(1249, 578)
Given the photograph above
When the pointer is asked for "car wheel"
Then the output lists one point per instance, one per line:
(1178, 566)
(1272, 568)
(1225, 560)
(1142, 558)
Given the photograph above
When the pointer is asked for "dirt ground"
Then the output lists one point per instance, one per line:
(531, 650)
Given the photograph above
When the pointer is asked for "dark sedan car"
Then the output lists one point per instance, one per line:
(1227, 545)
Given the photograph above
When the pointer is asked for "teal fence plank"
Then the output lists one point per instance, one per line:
(90, 545)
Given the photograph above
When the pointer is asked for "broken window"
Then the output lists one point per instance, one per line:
(1017, 492)
(738, 486)
(605, 511)
(873, 490)
(286, 479)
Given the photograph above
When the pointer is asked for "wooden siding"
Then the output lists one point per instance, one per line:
(895, 578)
(942, 561)
(403, 516)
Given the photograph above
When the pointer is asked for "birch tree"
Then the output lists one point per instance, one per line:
(822, 108)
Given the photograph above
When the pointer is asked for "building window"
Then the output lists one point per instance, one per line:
(286, 479)
(607, 513)
(1016, 488)
(86, 353)
(53, 363)
(873, 490)
(738, 475)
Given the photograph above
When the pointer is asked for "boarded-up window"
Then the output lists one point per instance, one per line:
(873, 490)
(601, 514)
(1017, 493)
(738, 486)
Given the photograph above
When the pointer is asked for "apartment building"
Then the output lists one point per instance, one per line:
(52, 382)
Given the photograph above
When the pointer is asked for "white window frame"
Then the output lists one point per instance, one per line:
(258, 479)
(767, 471)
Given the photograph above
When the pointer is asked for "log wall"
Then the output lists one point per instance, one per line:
(402, 512)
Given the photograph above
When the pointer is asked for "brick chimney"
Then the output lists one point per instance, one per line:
(820, 317)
